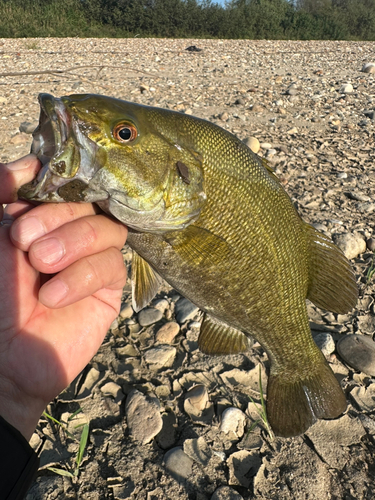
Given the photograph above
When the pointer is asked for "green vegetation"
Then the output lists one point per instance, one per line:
(71, 472)
(262, 411)
(248, 19)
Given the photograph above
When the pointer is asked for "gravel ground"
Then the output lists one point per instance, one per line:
(167, 422)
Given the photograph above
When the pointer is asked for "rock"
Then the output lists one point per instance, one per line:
(325, 343)
(161, 304)
(193, 48)
(242, 466)
(370, 243)
(126, 311)
(185, 310)
(266, 145)
(253, 144)
(352, 244)
(330, 436)
(198, 450)
(92, 378)
(167, 436)
(114, 390)
(233, 422)
(28, 127)
(224, 117)
(143, 416)
(19, 139)
(226, 493)
(364, 397)
(149, 316)
(366, 324)
(257, 108)
(198, 397)
(162, 355)
(346, 88)
(167, 332)
(368, 68)
(178, 464)
(358, 352)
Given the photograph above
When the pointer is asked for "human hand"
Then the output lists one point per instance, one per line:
(51, 324)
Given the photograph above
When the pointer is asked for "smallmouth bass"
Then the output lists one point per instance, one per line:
(209, 216)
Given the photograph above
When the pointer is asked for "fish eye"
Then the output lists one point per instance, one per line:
(125, 132)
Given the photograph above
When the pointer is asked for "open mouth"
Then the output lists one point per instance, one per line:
(67, 156)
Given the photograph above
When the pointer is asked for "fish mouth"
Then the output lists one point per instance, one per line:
(66, 154)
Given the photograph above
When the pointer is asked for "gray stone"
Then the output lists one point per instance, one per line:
(364, 397)
(233, 422)
(114, 390)
(167, 332)
(347, 88)
(366, 324)
(252, 143)
(358, 351)
(226, 493)
(167, 436)
(161, 304)
(243, 465)
(178, 464)
(92, 378)
(352, 244)
(28, 127)
(368, 68)
(149, 316)
(198, 450)
(185, 310)
(126, 311)
(371, 244)
(143, 416)
(325, 343)
(162, 355)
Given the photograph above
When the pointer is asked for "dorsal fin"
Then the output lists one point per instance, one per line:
(332, 284)
(145, 282)
(217, 338)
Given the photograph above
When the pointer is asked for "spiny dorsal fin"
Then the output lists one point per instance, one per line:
(217, 338)
(145, 282)
(332, 284)
(198, 244)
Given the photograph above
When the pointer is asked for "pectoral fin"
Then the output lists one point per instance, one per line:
(217, 338)
(198, 245)
(145, 282)
(332, 284)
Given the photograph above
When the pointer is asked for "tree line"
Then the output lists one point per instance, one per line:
(245, 19)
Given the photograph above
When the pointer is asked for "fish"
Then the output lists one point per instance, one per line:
(212, 219)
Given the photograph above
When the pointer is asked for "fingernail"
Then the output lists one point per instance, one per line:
(53, 292)
(20, 164)
(49, 251)
(27, 230)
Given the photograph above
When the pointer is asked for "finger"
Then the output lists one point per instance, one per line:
(45, 218)
(104, 270)
(13, 175)
(74, 241)
(14, 210)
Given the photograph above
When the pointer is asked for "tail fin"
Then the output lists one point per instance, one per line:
(292, 406)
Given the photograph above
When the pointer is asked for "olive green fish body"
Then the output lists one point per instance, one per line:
(210, 217)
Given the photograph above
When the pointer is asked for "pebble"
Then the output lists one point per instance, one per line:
(197, 396)
(161, 355)
(167, 332)
(366, 324)
(28, 127)
(253, 144)
(266, 145)
(161, 304)
(368, 68)
(167, 436)
(371, 244)
(342, 175)
(233, 421)
(364, 397)
(346, 88)
(178, 464)
(149, 316)
(198, 450)
(92, 378)
(243, 465)
(114, 390)
(185, 310)
(226, 493)
(19, 139)
(358, 352)
(352, 244)
(325, 343)
(143, 416)
(126, 311)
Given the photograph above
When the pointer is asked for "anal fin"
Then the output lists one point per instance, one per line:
(294, 403)
(217, 338)
(145, 282)
(332, 284)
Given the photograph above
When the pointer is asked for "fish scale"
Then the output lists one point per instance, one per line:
(211, 218)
